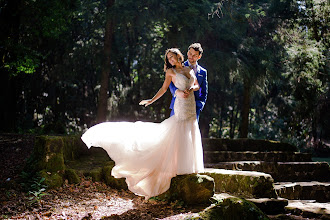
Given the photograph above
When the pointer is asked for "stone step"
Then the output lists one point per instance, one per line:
(269, 206)
(273, 156)
(308, 209)
(244, 144)
(285, 209)
(281, 208)
(281, 171)
(246, 184)
(318, 191)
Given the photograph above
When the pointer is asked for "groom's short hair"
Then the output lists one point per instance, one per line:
(196, 47)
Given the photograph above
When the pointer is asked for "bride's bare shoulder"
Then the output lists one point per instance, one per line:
(187, 68)
(189, 71)
(170, 72)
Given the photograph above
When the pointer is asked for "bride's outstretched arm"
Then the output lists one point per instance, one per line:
(162, 90)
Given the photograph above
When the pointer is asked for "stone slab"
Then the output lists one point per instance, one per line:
(270, 206)
(281, 171)
(314, 190)
(247, 184)
(273, 156)
(309, 209)
(245, 144)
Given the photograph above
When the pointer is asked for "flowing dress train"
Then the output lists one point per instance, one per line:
(149, 154)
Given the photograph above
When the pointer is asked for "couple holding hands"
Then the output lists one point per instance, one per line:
(150, 154)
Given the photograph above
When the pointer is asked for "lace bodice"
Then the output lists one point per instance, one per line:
(184, 108)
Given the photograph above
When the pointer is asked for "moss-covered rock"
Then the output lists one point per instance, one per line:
(90, 160)
(243, 183)
(233, 208)
(191, 189)
(73, 147)
(96, 174)
(49, 156)
(52, 180)
(110, 180)
(72, 176)
(48, 153)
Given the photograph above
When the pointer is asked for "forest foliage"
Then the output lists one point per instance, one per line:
(267, 62)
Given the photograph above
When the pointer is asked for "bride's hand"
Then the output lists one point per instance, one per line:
(145, 102)
(181, 94)
(188, 91)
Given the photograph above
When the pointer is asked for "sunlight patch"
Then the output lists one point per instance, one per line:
(108, 207)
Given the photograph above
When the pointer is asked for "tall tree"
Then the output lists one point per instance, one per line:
(307, 71)
(9, 38)
(103, 95)
(252, 29)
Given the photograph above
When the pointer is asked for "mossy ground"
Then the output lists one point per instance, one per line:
(85, 199)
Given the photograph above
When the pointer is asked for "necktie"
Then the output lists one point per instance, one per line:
(194, 67)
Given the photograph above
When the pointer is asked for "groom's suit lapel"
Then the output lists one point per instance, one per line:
(199, 75)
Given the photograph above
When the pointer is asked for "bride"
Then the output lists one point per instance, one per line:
(149, 154)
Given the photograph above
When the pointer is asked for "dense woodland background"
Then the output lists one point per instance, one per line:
(66, 65)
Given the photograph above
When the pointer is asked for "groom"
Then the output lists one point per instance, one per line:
(194, 53)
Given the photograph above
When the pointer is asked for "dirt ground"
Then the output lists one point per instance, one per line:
(87, 200)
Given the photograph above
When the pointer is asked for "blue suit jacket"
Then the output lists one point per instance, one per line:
(200, 95)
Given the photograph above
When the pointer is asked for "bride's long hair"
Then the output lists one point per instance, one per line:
(178, 53)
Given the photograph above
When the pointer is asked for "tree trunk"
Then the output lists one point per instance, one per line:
(102, 108)
(220, 122)
(232, 122)
(234, 117)
(245, 109)
(314, 24)
(9, 85)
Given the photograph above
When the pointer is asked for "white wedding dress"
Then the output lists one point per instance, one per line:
(149, 154)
